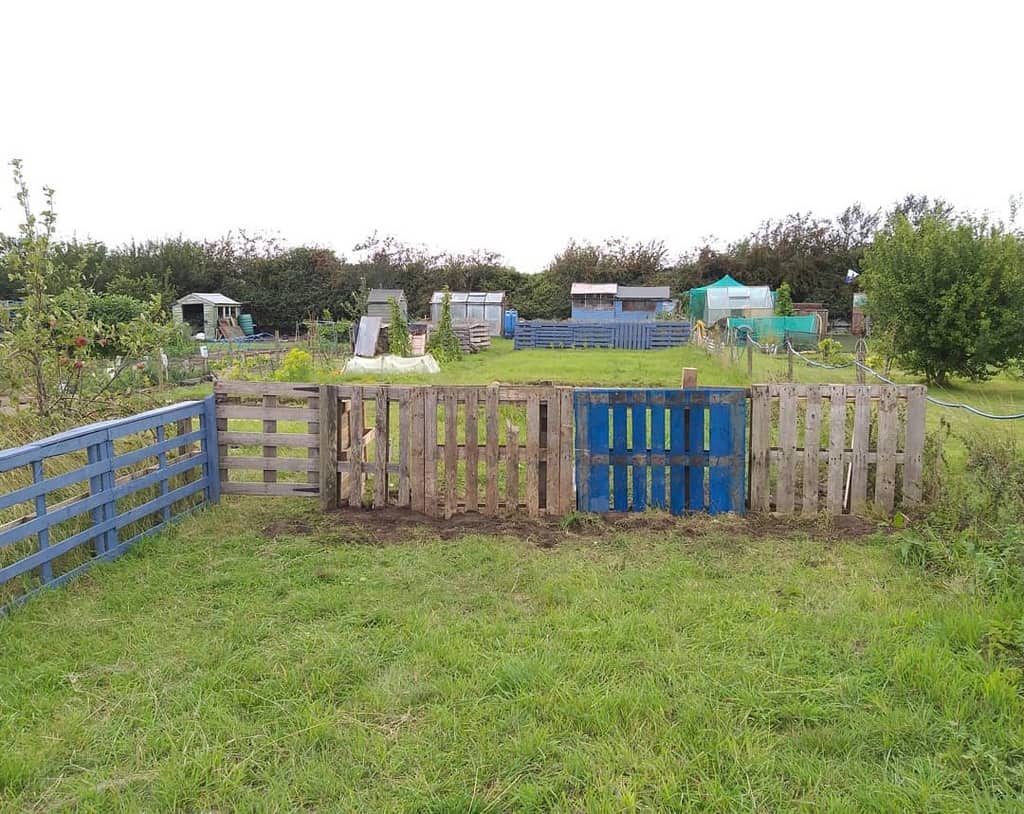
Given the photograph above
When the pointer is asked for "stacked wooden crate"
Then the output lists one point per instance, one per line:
(473, 336)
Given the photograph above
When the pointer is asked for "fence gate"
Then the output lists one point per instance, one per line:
(626, 439)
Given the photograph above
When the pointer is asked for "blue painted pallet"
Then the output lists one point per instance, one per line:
(104, 503)
(626, 439)
(625, 335)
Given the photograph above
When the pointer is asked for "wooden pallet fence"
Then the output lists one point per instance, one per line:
(623, 335)
(269, 437)
(448, 450)
(91, 493)
(835, 446)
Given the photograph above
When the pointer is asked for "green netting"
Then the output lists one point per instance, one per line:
(774, 330)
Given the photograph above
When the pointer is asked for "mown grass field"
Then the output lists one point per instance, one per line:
(262, 656)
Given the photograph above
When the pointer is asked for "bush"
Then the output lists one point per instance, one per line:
(444, 344)
(399, 343)
(297, 366)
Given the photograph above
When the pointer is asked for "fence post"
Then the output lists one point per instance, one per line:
(328, 446)
(750, 358)
(789, 361)
(43, 537)
(109, 482)
(689, 378)
(862, 357)
(211, 450)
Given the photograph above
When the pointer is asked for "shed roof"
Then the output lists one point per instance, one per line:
(384, 294)
(211, 299)
(593, 288)
(643, 292)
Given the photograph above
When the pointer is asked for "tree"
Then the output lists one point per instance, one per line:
(784, 301)
(444, 344)
(398, 331)
(946, 295)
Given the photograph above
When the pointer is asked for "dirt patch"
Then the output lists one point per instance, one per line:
(289, 527)
(393, 526)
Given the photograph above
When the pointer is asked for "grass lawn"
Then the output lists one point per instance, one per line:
(264, 657)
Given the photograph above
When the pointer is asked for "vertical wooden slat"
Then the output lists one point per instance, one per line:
(430, 452)
(638, 414)
(270, 425)
(694, 442)
(885, 467)
(597, 428)
(859, 456)
(812, 446)
(542, 443)
(721, 482)
(451, 452)
(313, 453)
(185, 425)
(355, 428)
(94, 455)
(472, 451)
(836, 448)
(161, 462)
(658, 449)
(678, 444)
(620, 472)
(512, 476)
(581, 408)
(43, 536)
(552, 438)
(404, 428)
(760, 444)
(328, 446)
(382, 446)
(784, 499)
(417, 436)
(210, 448)
(491, 429)
(913, 452)
(532, 456)
(567, 499)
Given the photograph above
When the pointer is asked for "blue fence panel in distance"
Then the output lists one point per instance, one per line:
(91, 493)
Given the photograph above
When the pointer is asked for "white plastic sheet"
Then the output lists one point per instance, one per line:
(392, 364)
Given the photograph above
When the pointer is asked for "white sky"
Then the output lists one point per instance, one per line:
(509, 126)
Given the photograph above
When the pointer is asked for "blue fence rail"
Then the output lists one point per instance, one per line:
(626, 439)
(91, 493)
(647, 335)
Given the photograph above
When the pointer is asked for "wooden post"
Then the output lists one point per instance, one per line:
(750, 358)
(789, 362)
(862, 356)
(689, 378)
(328, 446)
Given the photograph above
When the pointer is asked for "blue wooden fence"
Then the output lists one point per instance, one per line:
(648, 335)
(627, 438)
(131, 476)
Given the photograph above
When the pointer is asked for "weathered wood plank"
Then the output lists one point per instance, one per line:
(269, 426)
(430, 451)
(299, 440)
(233, 387)
(451, 452)
(269, 489)
(382, 448)
(313, 453)
(885, 469)
(532, 458)
(257, 463)
(859, 454)
(550, 441)
(760, 442)
(268, 411)
(328, 422)
(836, 448)
(512, 475)
(472, 451)
(491, 451)
(404, 428)
(566, 498)
(355, 457)
(785, 498)
(812, 446)
(913, 463)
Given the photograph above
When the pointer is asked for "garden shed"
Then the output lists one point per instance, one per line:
(642, 302)
(592, 301)
(202, 312)
(472, 306)
(377, 304)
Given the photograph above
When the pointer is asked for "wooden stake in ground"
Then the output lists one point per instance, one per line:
(689, 378)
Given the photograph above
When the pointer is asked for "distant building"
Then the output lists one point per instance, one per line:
(596, 301)
(377, 304)
(592, 301)
(202, 311)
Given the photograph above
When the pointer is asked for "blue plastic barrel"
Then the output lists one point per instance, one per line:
(511, 317)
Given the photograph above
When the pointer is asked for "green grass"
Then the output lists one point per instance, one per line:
(696, 669)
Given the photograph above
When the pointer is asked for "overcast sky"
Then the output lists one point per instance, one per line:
(507, 126)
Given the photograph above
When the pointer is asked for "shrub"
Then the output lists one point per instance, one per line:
(297, 366)
(399, 343)
(444, 344)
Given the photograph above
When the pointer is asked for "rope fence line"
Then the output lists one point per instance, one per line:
(937, 402)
